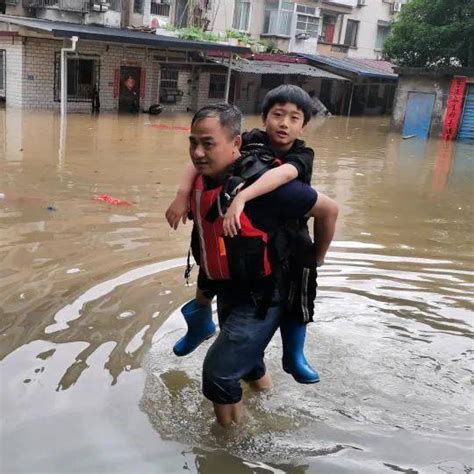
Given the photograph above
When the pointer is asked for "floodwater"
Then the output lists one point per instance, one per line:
(90, 295)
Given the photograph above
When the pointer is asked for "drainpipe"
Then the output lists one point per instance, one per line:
(227, 84)
(64, 52)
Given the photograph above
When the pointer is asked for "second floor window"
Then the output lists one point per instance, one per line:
(278, 17)
(382, 32)
(307, 21)
(351, 33)
(328, 28)
(241, 15)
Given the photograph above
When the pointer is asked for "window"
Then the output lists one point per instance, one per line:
(217, 86)
(169, 80)
(278, 17)
(83, 74)
(138, 6)
(328, 28)
(3, 72)
(307, 21)
(382, 33)
(351, 33)
(270, 81)
(161, 9)
(241, 15)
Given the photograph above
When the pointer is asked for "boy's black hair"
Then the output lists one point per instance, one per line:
(229, 116)
(288, 93)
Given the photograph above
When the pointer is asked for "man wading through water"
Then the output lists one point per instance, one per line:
(249, 270)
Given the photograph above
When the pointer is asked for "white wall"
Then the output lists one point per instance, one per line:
(14, 70)
(368, 17)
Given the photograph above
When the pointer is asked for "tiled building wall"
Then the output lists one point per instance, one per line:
(30, 73)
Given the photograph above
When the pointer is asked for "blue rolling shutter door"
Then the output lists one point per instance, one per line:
(466, 129)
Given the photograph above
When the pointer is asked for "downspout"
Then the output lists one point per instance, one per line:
(64, 52)
(227, 84)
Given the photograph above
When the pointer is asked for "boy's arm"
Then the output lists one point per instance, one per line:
(178, 209)
(268, 182)
(325, 213)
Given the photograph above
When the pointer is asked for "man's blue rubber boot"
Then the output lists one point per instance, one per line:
(294, 362)
(200, 327)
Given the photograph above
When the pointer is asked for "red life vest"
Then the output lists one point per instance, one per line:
(226, 258)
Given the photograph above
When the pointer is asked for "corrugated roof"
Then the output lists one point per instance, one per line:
(361, 67)
(62, 29)
(270, 67)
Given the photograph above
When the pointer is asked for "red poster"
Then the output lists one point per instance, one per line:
(454, 108)
(142, 83)
(116, 83)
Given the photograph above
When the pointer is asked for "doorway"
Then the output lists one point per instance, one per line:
(129, 97)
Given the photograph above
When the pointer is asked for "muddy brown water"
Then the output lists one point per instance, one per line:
(90, 296)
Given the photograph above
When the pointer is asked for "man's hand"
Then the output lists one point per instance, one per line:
(178, 210)
(232, 217)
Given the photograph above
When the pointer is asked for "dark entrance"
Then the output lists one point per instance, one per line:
(129, 98)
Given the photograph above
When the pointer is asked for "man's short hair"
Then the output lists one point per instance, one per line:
(288, 93)
(229, 116)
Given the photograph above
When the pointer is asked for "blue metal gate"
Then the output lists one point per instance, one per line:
(466, 129)
(418, 114)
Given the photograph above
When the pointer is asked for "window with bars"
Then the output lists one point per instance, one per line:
(241, 15)
(83, 75)
(351, 33)
(307, 21)
(161, 9)
(278, 17)
(217, 86)
(169, 80)
(3, 72)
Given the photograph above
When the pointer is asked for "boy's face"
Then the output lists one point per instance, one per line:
(212, 148)
(284, 124)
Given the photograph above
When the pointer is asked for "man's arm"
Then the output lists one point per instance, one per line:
(325, 213)
(178, 209)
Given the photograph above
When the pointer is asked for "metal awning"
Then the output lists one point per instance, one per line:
(61, 29)
(354, 66)
(270, 67)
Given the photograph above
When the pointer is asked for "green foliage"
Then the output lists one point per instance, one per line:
(197, 34)
(433, 33)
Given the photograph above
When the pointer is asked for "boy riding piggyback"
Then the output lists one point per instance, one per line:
(286, 110)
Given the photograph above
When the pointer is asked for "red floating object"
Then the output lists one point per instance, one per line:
(111, 200)
(169, 127)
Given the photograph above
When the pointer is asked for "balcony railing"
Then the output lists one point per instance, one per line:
(161, 9)
(11, 2)
(81, 6)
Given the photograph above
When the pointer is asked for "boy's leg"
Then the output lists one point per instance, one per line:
(235, 353)
(202, 298)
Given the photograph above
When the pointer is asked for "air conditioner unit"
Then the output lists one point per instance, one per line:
(302, 36)
(361, 3)
(396, 7)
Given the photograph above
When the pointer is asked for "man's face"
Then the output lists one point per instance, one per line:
(284, 124)
(211, 147)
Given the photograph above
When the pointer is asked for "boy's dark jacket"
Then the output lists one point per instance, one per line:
(299, 155)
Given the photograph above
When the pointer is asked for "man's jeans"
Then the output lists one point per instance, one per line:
(238, 351)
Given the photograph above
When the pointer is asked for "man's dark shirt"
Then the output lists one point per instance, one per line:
(299, 155)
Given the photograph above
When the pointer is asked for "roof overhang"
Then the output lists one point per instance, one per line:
(59, 29)
(350, 67)
(270, 67)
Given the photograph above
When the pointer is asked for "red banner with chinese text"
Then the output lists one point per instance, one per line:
(454, 108)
